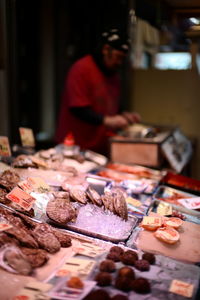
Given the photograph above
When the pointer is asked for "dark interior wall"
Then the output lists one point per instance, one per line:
(22, 21)
(78, 25)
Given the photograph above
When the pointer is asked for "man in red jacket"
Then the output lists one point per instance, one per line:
(90, 103)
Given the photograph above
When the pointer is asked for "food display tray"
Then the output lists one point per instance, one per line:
(163, 192)
(186, 212)
(96, 235)
(181, 182)
(97, 182)
(160, 277)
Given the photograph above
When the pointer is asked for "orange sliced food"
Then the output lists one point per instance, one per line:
(167, 234)
(173, 222)
(151, 223)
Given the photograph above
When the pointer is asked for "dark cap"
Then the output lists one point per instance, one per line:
(116, 39)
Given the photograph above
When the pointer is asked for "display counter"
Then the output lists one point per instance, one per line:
(117, 229)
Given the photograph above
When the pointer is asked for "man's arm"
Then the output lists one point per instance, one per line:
(86, 114)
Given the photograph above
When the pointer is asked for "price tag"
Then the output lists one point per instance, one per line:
(181, 288)
(164, 209)
(76, 266)
(90, 250)
(5, 226)
(39, 162)
(191, 203)
(25, 186)
(152, 221)
(22, 198)
(38, 184)
(34, 290)
(27, 137)
(4, 146)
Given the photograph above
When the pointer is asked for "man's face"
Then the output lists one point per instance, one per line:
(112, 58)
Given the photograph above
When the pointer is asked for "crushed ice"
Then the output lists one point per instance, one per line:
(95, 219)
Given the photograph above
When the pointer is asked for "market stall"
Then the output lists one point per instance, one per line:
(77, 226)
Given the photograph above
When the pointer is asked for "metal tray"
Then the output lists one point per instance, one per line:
(184, 183)
(90, 233)
(186, 212)
(97, 182)
(14, 211)
(99, 159)
(163, 192)
(98, 235)
(160, 276)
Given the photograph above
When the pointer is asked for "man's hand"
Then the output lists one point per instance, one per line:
(131, 117)
(115, 122)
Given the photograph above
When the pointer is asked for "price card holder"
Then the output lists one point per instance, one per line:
(178, 150)
(181, 288)
(76, 267)
(90, 250)
(4, 147)
(20, 197)
(27, 137)
(34, 290)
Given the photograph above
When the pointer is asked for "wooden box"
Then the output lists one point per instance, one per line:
(142, 151)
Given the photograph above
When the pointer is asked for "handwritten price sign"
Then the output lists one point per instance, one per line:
(181, 288)
(22, 198)
(27, 137)
(4, 146)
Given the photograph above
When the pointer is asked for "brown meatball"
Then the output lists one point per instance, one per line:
(128, 258)
(123, 283)
(141, 285)
(99, 294)
(107, 266)
(119, 297)
(117, 249)
(126, 272)
(113, 256)
(142, 265)
(150, 257)
(103, 279)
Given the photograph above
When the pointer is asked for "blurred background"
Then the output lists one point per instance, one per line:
(40, 39)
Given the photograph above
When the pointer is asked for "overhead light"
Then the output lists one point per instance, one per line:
(195, 21)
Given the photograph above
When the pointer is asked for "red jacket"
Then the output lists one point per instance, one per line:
(86, 85)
